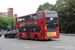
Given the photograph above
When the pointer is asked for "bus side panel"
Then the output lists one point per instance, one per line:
(32, 34)
(41, 34)
(24, 35)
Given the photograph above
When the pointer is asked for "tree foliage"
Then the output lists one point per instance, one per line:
(45, 6)
(66, 9)
(10, 21)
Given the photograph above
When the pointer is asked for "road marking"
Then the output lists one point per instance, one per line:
(64, 47)
(59, 43)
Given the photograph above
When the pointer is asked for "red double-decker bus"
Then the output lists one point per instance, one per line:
(41, 25)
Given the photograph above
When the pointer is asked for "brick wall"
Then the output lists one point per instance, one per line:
(10, 12)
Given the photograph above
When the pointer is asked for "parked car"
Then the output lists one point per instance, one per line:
(3, 32)
(10, 34)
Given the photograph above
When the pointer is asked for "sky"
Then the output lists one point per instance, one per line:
(23, 7)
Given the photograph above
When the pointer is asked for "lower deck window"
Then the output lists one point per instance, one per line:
(30, 29)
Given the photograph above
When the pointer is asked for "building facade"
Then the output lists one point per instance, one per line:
(9, 13)
(15, 15)
(4, 14)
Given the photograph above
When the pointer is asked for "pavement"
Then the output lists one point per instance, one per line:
(63, 43)
(70, 34)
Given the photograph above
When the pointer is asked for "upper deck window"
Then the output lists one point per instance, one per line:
(23, 19)
(40, 15)
(34, 17)
(30, 17)
(19, 19)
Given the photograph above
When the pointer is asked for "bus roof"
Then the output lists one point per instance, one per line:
(30, 14)
(35, 13)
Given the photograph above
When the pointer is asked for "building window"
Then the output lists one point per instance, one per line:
(0, 13)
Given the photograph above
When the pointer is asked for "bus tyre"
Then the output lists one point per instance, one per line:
(20, 36)
(35, 37)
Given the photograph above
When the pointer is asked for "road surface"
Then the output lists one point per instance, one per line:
(65, 42)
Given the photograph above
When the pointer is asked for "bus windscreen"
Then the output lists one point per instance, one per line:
(51, 21)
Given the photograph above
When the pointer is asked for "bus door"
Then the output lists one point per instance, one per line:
(28, 33)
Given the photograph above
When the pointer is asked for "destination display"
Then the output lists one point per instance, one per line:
(28, 23)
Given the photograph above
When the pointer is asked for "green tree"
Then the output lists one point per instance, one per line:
(65, 9)
(10, 21)
(45, 6)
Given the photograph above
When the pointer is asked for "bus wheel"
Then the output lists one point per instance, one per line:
(35, 37)
(20, 36)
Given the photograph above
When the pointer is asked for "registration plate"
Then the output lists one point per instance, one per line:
(52, 38)
(51, 34)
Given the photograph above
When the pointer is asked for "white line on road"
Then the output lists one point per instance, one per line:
(58, 43)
